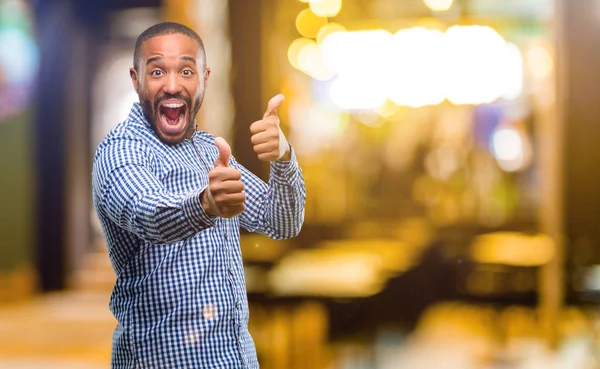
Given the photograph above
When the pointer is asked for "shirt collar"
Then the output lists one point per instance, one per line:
(137, 114)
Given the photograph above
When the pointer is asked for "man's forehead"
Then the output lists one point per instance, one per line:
(173, 45)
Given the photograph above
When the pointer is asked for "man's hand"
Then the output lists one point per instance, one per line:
(268, 140)
(224, 196)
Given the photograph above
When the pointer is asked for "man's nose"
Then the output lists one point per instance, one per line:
(172, 85)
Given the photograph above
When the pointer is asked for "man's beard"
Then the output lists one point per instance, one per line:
(151, 112)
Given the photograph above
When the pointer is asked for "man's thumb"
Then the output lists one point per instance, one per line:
(224, 152)
(273, 105)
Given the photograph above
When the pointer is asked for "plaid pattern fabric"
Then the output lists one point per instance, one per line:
(180, 296)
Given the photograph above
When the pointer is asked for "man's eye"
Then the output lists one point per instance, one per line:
(187, 73)
(155, 73)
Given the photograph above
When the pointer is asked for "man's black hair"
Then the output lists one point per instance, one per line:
(162, 29)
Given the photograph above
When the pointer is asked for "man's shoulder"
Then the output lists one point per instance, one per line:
(206, 137)
(125, 142)
(133, 129)
(126, 132)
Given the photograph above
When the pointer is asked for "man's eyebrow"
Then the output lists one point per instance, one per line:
(189, 58)
(158, 58)
(153, 59)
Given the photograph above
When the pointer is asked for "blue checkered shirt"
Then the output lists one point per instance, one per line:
(180, 296)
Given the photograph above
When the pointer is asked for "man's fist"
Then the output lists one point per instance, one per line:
(224, 196)
(268, 140)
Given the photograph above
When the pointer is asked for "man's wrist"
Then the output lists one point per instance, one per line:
(195, 211)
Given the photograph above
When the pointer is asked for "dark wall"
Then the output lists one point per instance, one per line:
(16, 197)
(245, 33)
(69, 33)
(55, 22)
(579, 85)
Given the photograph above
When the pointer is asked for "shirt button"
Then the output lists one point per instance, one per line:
(238, 304)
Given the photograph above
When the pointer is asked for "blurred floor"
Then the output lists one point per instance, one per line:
(63, 330)
(68, 330)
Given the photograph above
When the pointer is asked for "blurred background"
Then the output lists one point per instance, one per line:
(450, 156)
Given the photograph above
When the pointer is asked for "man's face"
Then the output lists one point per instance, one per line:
(170, 81)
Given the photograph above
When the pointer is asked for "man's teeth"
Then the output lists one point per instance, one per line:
(173, 105)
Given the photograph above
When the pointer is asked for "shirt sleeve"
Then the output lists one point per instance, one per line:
(275, 209)
(130, 195)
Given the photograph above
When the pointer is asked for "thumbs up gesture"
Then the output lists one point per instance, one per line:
(223, 196)
(268, 140)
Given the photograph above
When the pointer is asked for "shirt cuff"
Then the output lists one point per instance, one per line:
(284, 171)
(194, 212)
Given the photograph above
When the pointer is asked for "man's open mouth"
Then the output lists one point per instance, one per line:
(172, 115)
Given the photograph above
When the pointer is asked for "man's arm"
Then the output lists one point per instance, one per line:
(275, 209)
(128, 193)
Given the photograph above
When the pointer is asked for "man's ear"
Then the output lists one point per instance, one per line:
(206, 75)
(134, 78)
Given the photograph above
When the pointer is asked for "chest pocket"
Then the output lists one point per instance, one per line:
(183, 179)
(186, 169)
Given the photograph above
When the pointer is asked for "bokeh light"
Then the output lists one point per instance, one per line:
(19, 57)
(361, 77)
(539, 61)
(475, 59)
(510, 148)
(466, 65)
(415, 68)
(310, 61)
(326, 8)
(308, 23)
(439, 5)
(328, 29)
(294, 51)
